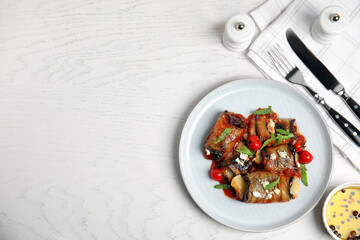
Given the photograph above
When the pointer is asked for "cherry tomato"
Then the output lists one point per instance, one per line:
(305, 157)
(299, 146)
(254, 142)
(216, 174)
(301, 138)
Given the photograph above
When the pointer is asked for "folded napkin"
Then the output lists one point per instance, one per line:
(341, 57)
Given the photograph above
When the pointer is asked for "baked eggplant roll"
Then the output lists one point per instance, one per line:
(287, 125)
(265, 125)
(237, 162)
(224, 136)
(251, 187)
(279, 158)
(262, 125)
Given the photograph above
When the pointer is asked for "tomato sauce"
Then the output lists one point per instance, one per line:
(230, 193)
(291, 173)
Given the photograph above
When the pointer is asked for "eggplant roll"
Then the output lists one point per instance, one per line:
(265, 125)
(219, 144)
(250, 187)
(238, 163)
(279, 158)
(287, 125)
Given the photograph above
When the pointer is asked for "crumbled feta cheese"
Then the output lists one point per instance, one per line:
(256, 194)
(282, 154)
(244, 156)
(277, 191)
(269, 196)
(232, 137)
(264, 183)
(207, 152)
(271, 126)
(241, 163)
(273, 156)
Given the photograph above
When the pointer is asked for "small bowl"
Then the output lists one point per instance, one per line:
(331, 194)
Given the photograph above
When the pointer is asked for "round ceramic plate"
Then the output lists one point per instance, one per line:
(245, 96)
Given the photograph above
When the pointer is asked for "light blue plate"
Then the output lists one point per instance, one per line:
(245, 96)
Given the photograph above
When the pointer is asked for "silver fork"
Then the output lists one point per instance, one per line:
(290, 72)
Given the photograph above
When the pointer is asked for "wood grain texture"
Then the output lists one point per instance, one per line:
(93, 98)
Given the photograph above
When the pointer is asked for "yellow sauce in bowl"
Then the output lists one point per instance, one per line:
(343, 212)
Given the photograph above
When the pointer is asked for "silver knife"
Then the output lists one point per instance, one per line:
(320, 71)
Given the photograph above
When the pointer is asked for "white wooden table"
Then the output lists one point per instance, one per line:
(93, 99)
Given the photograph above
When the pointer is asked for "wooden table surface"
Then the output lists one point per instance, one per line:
(93, 98)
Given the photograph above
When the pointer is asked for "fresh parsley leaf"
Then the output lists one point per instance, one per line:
(264, 111)
(272, 184)
(246, 151)
(272, 138)
(222, 186)
(303, 174)
(223, 135)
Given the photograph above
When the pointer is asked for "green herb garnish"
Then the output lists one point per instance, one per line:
(272, 138)
(222, 186)
(246, 151)
(264, 111)
(272, 184)
(282, 134)
(279, 130)
(223, 135)
(303, 174)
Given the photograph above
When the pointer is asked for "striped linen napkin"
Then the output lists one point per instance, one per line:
(341, 57)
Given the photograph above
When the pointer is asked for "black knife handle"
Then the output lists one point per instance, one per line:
(345, 125)
(354, 106)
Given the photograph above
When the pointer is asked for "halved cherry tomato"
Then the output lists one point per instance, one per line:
(216, 174)
(305, 157)
(254, 142)
(299, 146)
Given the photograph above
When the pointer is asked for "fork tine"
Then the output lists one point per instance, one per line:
(282, 59)
(277, 63)
(282, 53)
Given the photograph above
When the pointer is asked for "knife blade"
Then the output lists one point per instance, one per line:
(320, 71)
